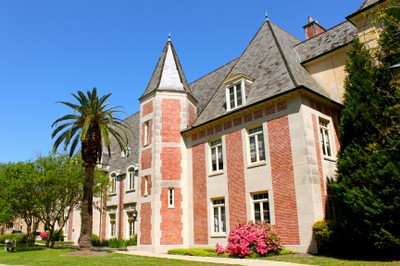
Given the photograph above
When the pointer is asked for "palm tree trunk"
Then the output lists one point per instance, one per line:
(85, 238)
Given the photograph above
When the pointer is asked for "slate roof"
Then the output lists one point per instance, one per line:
(274, 65)
(366, 5)
(327, 41)
(157, 77)
(118, 162)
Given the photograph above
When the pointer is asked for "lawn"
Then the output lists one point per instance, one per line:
(57, 257)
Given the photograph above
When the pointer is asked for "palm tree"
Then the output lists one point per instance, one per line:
(92, 124)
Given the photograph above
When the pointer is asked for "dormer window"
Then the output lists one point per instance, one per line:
(236, 86)
(236, 96)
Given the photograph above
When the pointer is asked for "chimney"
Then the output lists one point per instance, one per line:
(312, 28)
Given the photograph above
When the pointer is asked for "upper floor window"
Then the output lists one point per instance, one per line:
(236, 85)
(325, 138)
(256, 144)
(113, 185)
(236, 96)
(146, 133)
(132, 173)
(217, 163)
(218, 207)
(171, 197)
(261, 207)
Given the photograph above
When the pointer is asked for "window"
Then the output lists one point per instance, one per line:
(171, 196)
(256, 144)
(131, 224)
(146, 184)
(261, 207)
(112, 224)
(113, 187)
(131, 179)
(216, 156)
(235, 96)
(218, 206)
(146, 133)
(325, 140)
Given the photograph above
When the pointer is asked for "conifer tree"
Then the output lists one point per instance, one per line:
(366, 193)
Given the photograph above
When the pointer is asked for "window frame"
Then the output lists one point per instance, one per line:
(325, 138)
(219, 226)
(256, 135)
(219, 165)
(260, 202)
(113, 187)
(131, 230)
(132, 174)
(113, 224)
(146, 133)
(171, 197)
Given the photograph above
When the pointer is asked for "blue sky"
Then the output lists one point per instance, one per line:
(52, 48)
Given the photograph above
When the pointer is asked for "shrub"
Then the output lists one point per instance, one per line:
(116, 243)
(44, 235)
(324, 235)
(20, 238)
(247, 239)
(58, 235)
(202, 252)
(132, 241)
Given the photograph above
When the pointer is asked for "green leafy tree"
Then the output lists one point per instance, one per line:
(366, 193)
(91, 124)
(19, 194)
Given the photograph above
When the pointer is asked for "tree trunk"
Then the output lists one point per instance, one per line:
(85, 238)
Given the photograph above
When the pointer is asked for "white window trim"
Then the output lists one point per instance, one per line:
(146, 133)
(112, 233)
(259, 201)
(217, 171)
(113, 187)
(129, 218)
(171, 198)
(146, 183)
(325, 138)
(243, 94)
(131, 170)
(221, 223)
(256, 135)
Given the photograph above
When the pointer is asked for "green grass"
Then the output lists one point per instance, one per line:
(42, 256)
(56, 243)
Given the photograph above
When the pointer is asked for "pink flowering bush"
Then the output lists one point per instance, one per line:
(250, 238)
(43, 235)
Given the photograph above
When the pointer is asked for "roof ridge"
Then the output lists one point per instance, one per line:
(282, 55)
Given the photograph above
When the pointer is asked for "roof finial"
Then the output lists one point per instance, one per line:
(169, 36)
(266, 16)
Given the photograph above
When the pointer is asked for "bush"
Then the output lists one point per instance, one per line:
(97, 242)
(58, 235)
(202, 252)
(116, 243)
(20, 238)
(44, 235)
(252, 238)
(132, 241)
(324, 235)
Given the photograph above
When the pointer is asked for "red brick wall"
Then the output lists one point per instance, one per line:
(171, 120)
(145, 224)
(146, 159)
(171, 218)
(283, 181)
(171, 163)
(104, 217)
(236, 182)
(70, 224)
(319, 161)
(147, 108)
(200, 215)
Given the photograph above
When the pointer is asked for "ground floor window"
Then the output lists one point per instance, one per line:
(218, 206)
(261, 207)
(113, 224)
(131, 224)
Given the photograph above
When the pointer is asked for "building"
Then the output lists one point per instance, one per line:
(254, 140)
